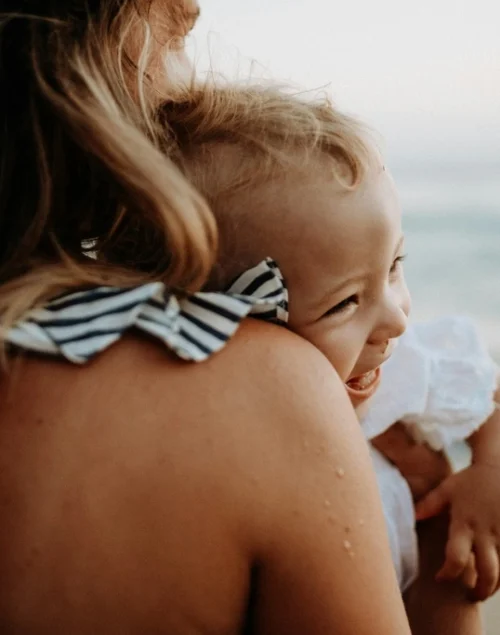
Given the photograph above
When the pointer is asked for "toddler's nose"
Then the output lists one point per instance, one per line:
(392, 323)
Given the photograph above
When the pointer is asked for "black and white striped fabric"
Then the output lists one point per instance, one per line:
(80, 325)
(263, 282)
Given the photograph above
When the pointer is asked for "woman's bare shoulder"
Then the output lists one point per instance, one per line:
(265, 373)
(260, 395)
(262, 363)
(259, 357)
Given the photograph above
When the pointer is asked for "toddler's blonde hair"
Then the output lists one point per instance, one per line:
(232, 142)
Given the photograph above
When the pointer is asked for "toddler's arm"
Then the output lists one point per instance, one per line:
(422, 467)
(473, 499)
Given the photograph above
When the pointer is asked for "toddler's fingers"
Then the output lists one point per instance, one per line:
(458, 552)
(433, 504)
(488, 569)
(469, 577)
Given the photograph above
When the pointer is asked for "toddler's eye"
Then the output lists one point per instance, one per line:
(343, 306)
(396, 264)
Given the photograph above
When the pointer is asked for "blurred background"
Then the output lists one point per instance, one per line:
(426, 75)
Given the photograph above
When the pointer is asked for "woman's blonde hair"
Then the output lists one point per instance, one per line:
(232, 141)
(80, 162)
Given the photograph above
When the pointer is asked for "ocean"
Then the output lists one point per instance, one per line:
(452, 227)
(452, 224)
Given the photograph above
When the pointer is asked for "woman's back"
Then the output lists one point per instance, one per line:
(115, 490)
(143, 494)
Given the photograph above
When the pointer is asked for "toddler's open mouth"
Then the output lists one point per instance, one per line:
(363, 386)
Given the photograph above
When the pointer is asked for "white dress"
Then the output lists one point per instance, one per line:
(440, 383)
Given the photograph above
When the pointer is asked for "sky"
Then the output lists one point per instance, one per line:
(426, 74)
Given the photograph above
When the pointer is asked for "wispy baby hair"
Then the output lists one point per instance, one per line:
(271, 128)
(233, 141)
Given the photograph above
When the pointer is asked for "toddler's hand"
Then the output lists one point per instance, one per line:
(473, 499)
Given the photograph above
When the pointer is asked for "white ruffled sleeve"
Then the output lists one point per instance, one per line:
(439, 381)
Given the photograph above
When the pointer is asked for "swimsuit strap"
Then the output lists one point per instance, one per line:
(78, 326)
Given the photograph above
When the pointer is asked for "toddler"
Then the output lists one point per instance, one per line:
(301, 183)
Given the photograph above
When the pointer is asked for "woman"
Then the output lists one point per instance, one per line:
(140, 492)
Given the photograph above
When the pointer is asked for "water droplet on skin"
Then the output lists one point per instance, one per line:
(347, 545)
(328, 503)
(361, 523)
(340, 472)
